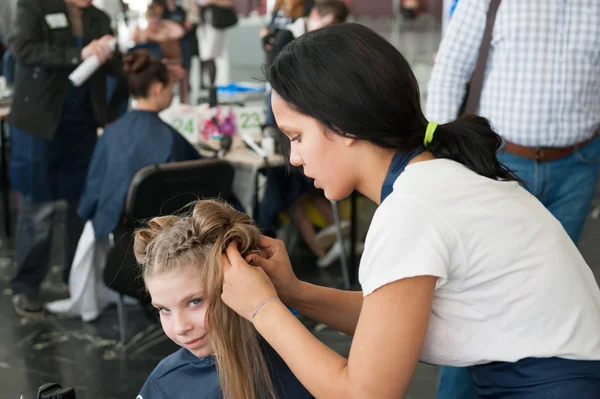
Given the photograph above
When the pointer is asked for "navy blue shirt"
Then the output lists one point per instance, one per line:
(399, 163)
(185, 376)
(136, 140)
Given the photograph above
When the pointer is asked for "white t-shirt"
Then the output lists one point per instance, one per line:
(511, 283)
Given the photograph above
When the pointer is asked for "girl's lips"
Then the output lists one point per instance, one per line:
(195, 342)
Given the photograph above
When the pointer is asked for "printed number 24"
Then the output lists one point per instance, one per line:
(186, 126)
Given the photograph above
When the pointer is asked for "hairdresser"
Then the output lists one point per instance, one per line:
(53, 128)
(462, 266)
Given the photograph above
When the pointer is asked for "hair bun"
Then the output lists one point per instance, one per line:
(145, 238)
(216, 222)
(136, 61)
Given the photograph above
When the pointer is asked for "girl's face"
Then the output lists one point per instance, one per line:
(324, 156)
(179, 298)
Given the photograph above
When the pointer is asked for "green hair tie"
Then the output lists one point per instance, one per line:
(431, 126)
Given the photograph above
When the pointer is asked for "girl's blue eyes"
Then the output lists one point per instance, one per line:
(192, 303)
(195, 302)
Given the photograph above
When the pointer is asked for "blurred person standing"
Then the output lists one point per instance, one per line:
(278, 34)
(163, 37)
(7, 16)
(211, 41)
(540, 91)
(178, 14)
(54, 128)
(160, 36)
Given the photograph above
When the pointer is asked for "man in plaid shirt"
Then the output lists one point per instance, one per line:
(541, 92)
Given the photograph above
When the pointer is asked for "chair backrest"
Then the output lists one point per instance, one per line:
(165, 189)
(154, 191)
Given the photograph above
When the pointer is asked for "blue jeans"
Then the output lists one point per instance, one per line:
(566, 187)
(8, 67)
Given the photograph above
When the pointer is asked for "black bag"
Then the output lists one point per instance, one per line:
(223, 17)
(470, 103)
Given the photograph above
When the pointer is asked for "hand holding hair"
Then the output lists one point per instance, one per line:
(275, 261)
(245, 288)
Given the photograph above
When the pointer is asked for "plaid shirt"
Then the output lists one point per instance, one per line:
(542, 80)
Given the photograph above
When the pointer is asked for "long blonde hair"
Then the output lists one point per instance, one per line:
(172, 242)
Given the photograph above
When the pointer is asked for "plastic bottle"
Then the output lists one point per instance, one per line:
(88, 67)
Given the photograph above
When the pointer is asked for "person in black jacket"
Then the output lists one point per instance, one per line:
(54, 127)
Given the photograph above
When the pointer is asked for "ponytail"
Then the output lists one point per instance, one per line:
(471, 141)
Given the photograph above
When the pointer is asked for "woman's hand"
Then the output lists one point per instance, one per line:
(244, 287)
(263, 33)
(100, 48)
(275, 261)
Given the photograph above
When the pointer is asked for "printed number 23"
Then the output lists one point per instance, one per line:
(250, 120)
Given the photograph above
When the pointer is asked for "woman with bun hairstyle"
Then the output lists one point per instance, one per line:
(138, 139)
(221, 355)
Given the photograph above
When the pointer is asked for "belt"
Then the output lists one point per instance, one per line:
(544, 154)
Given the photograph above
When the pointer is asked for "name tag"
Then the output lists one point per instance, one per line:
(57, 20)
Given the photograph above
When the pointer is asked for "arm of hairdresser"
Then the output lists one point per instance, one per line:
(386, 345)
(337, 309)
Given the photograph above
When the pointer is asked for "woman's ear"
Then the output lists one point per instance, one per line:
(349, 141)
(156, 88)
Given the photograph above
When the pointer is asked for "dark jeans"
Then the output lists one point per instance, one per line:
(538, 378)
(566, 187)
(8, 67)
(282, 191)
(33, 241)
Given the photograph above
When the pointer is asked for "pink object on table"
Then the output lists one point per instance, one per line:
(210, 129)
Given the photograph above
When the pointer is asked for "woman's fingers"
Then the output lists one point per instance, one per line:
(233, 255)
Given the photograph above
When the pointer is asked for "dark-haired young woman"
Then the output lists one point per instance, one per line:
(138, 139)
(462, 266)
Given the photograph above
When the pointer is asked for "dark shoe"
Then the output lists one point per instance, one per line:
(27, 305)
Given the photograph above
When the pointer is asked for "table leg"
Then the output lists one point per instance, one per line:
(256, 196)
(5, 183)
